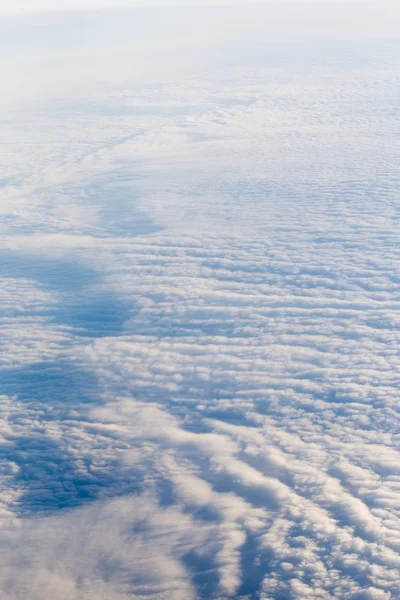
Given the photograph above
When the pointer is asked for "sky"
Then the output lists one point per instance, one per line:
(40, 5)
(386, 9)
(200, 293)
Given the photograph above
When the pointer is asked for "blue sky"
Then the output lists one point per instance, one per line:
(199, 283)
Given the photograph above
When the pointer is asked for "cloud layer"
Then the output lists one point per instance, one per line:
(200, 327)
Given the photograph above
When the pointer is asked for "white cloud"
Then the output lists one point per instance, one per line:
(77, 555)
(200, 333)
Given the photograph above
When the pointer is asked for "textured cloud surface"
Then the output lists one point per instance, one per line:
(200, 294)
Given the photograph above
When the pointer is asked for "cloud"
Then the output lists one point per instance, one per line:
(79, 555)
(199, 289)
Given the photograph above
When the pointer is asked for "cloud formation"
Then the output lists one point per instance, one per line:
(199, 311)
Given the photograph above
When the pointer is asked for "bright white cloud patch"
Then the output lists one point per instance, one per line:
(199, 289)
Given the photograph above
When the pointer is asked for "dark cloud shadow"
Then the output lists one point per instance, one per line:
(116, 203)
(87, 307)
(51, 475)
(96, 314)
(54, 478)
(51, 273)
(55, 469)
(204, 573)
(55, 384)
(255, 566)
